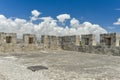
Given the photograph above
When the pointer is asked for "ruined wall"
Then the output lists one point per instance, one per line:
(111, 39)
(45, 41)
(89, 39)
(60, 42)
(29, 42)
(29, 39)
(70, 42)
(54, 42)
(8, 42)
(51, 42)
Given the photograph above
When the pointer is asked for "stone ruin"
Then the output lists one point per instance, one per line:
(70, 42)
(50, 42)
(88, 40)
(29, 39)
(29, 42)
(109, 43)
(8, 41)
(110, 39)
(8, 38)
(60, 42)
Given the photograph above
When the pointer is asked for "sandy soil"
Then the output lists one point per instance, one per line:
(62, 65)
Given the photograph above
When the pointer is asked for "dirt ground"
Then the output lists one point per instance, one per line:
(62, 65)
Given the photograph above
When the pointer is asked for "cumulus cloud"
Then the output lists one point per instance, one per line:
(63, 17)
(35, 15)
(48, 26)
(118, 22)
(74, 23)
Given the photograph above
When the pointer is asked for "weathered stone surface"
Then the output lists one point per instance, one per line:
(29, 42)
(88, 39)
(70, 42)
(8, 42)
(110, 39)
(51, 42)
(60, 42)
(29, 39)
(109, 43)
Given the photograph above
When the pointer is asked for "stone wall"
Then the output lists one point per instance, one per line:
(89, 39)
(54, 43)
(45, 41)
(51, 42)
(29, 39)
(70, 42)
(8, 42)
(111, 39)
(60, 42)
(29, 42)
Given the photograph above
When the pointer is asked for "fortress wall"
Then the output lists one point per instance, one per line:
(70, 42)
(109, 43)
(89, 39)
(110, 39)
(29, 42)
(51, 42)
(8, 42)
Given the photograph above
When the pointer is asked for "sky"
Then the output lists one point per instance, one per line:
(60, 17)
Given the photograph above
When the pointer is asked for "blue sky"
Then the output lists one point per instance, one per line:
(102, 12)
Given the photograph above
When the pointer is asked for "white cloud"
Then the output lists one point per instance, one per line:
(118, 22)
(74, 23)
(49, 26)
(63, 17)
(35, 15)
(2, 17)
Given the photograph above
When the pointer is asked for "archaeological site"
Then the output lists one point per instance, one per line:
(108, 43)
(69, 57)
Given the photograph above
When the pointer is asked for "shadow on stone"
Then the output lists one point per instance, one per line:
(36, 68)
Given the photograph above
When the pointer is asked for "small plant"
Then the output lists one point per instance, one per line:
(81, 43)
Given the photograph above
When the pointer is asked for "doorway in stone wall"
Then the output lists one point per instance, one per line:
(87, 41)
(108, 41)
(31, 40)
(8, 39)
